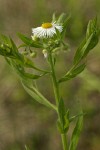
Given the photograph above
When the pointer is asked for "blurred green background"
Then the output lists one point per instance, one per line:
(24, 121)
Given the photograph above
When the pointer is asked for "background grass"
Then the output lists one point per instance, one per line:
(24, 121)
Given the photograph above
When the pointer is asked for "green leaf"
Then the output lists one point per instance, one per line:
(14, 47)
(22, 45)
(58, 34)
(28, 63)
(8, 61)
(76, 116)
(32, 76)
(29, 41)
(66, 118)
(26, 79)
(76, 133)
(5, 39)
(53, 17)
(61, 18)
(93, 43)
(90, 41)
(65, 23)
(9, 48)
(21, 72)
(26, 148)
(73, 73)
(81, 50)
(36, 94)
(63, 121)
(61, 110)
(77, 70)
(92, 27)
(15, 51)
(59, 127)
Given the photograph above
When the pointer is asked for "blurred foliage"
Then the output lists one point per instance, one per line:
(22, 120)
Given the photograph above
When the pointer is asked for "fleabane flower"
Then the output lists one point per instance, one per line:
(46, 30)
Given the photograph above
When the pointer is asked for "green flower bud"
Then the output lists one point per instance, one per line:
(34, 38)
(45, 53)
(2, 45)
(33, 54)
(6, 48)
(57, 42)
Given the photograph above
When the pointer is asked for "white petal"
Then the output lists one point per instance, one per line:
(48, 32)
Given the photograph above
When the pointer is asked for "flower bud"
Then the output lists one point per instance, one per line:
(34, 38)
(45, 53)
(6, 47)
(2, 45)
(33, 54)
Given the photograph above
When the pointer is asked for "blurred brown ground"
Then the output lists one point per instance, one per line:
(24, 121)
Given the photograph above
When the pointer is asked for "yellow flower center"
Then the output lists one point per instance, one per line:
(46, 25)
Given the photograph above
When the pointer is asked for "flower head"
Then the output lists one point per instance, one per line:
(46, 30)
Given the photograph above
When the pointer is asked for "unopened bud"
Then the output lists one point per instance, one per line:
(34, 38)
(33, 54)
(45, 53)
(5, 47)
(57, 42)
(2, 45)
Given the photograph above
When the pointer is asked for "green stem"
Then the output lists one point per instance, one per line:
(55, 84)
(57, 97)
(64, 141)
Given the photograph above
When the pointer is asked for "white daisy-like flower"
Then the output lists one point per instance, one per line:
(46, 30)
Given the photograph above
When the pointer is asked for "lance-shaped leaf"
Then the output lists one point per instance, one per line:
(26, 148)
(5, 40)
(76, 116)
(83, 48)
(26, 79)
(61, 110)
(65, 23)
(63, 121)
(36, 94)
(22, 73)
(16, 52)
(53, 17)
(76, 133)
(89, 42)
(28, 63)
(72, 73)
(29, 41)
(61, 18)
(92, 26)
